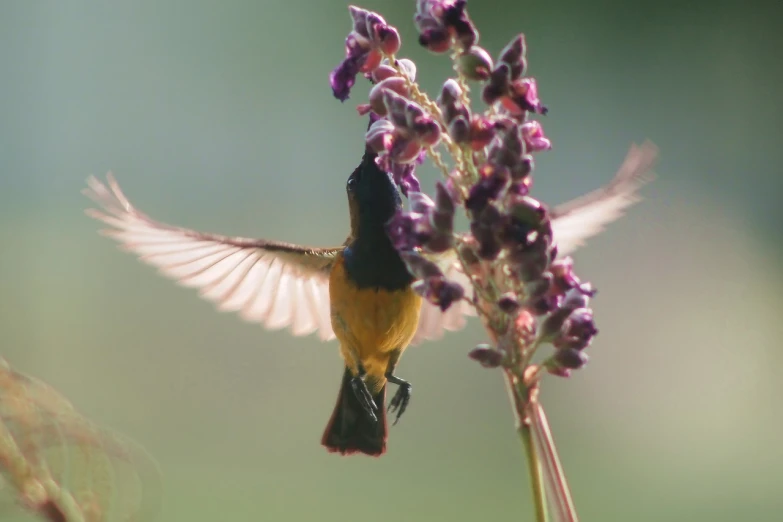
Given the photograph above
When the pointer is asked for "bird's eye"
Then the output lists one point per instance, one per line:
(351, 184)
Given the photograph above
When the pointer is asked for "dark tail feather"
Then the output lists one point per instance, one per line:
(349, 430)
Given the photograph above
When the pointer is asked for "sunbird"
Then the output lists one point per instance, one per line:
(359, 292)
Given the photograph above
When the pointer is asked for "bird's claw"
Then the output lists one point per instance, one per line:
(365, 398)
(400, 401)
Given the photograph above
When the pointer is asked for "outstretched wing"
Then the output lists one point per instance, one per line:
(584, 217)
(572, 224)
(276, 284)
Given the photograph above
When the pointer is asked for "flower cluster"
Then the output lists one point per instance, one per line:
(444, 24)
(524, 293)
(365, 46)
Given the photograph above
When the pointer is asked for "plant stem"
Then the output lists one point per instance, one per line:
(536, 475)
(553, 470)
(519, 396)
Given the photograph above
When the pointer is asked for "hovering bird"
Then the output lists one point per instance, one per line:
(359, 292)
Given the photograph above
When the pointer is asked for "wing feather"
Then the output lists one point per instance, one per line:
(302, 319)
(273, 283)
(280, 310)
(584, 217)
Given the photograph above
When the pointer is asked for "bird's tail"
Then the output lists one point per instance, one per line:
(349, 430)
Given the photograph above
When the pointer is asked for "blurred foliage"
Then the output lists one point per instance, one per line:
(58, 464)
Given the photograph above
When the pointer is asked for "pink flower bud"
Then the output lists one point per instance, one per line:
(388, 38)
(379, 135)
(396, 84)
(533, 135)
(513, 54)
(404, 150)
(475, 64)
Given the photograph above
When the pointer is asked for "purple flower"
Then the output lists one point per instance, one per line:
(530, 259)
(419, 266)
(498, 85)
(400, 138)
(487, 356)
(404, 174)
(482, 130)
(533, 135)
(509, 151)
(493, 180)
(392, 145)
(485, 227)
(524, 96)
(570, 326)
(507, 86)
(365, 46)
(552, 325)
(468, 254)
(406, 231)
(528, 249)
(513, 55)
(527, 211)
(577, 331)
(441, 22)
(428, 225)
(385, 70)
(394, 83)
(374, 31)
(563, 273)
(380, 134)
(538, 297)
(475, 64)
(430, 282)
(521, 187)
(516, 95)
(383, 138)
(521, 172)
(570, 359)
(444, 199)
(558, 371)
(343, 77)
(411, 120)
(579, 297)
(435, 39)
(464, 127)
(439, 291)
(452, 108)
(508, 303)
(387, 77)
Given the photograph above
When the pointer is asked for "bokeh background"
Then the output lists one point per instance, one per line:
(218, 116)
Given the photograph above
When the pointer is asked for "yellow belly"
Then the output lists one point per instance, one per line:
(371, 324)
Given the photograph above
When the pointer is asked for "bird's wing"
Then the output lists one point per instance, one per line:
(276, 284)
(584, 217)
(572, 224)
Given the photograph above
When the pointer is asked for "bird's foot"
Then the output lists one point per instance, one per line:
(400, 400)
(365, 398)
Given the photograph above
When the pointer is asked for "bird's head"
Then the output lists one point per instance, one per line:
(373, 197)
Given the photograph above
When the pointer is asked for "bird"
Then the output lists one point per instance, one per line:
(358, 292)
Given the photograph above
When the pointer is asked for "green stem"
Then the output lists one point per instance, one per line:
(518, 394)
(534, 469)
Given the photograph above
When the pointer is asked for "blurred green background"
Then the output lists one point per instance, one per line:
(218, 116)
